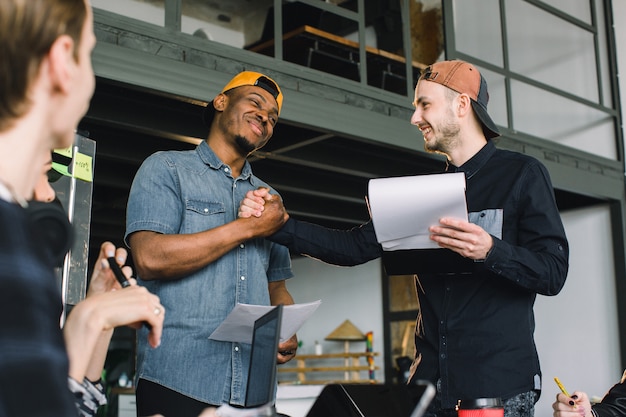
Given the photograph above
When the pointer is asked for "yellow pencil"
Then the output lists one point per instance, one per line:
(561, 387)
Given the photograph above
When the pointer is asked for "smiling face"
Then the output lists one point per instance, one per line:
(248, 116)
(435, 118)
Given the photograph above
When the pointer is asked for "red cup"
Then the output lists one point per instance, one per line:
(480, 407)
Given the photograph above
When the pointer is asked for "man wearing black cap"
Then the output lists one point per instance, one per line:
(191, 250)
(474, 337)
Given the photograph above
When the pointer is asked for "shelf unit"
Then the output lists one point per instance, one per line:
(351, 368)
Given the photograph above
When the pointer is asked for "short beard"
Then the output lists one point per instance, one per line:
(244, 145)
(446, 140)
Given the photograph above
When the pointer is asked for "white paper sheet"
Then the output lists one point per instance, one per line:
(238, 325)
(403, 208)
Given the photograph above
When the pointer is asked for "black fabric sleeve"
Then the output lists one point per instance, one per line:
(614, 402)
(334, 246)
(33, 363)
(538, 259)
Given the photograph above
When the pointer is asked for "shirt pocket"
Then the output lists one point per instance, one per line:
(203, 215)
(490, 220)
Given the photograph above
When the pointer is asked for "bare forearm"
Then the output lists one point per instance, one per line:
(81, 332)
(279, 294)
(88, 327)
(96, 365)
(160, 256)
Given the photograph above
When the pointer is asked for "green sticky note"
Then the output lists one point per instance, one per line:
(61, 169)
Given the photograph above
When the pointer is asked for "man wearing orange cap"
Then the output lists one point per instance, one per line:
(191, 250)
(474, 337)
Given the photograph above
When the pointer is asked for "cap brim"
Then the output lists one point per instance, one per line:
(489, 127)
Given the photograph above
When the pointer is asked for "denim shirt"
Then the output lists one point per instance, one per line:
(182, 192)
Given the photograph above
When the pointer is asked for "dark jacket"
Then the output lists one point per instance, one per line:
(614, 402)
(33, 360)
(475, 331)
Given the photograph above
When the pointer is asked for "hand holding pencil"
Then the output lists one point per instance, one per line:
(561, 387)
(574, 405)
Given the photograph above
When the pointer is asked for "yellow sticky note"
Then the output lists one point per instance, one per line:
(83, 167)
(65, 151)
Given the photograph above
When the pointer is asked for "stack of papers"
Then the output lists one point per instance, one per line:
(239, 324)
(403, 208)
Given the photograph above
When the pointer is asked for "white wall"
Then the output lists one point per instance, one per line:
(577, 334)
(352, 293)
(576, 331)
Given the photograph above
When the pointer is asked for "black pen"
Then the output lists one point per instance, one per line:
(121, 278)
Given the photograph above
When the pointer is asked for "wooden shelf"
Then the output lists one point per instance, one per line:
(315, 48)
(337, 355)
(351, 367)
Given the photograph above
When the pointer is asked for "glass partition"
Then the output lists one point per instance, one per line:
(426, 26)
(233, 23)
(551, 50)
(324, 35)
(482, 40)
(151, 11)
(580, 9)
(497, 106)
(548, 66)
(327, 36)
(551, 116)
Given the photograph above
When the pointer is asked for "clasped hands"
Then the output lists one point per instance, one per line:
(465, 238)
(265, 209)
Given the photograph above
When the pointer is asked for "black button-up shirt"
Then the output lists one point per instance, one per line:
(475, 330)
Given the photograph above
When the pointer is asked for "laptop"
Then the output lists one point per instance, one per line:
(262, 369)
(373, 400)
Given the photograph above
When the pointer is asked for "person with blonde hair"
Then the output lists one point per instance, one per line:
(46, 82)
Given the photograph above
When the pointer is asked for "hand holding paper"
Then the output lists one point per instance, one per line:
(403, 208)
(467, 239)
(238, 325)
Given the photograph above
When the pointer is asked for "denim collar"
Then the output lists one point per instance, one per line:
(476, 162)
(207, 156)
